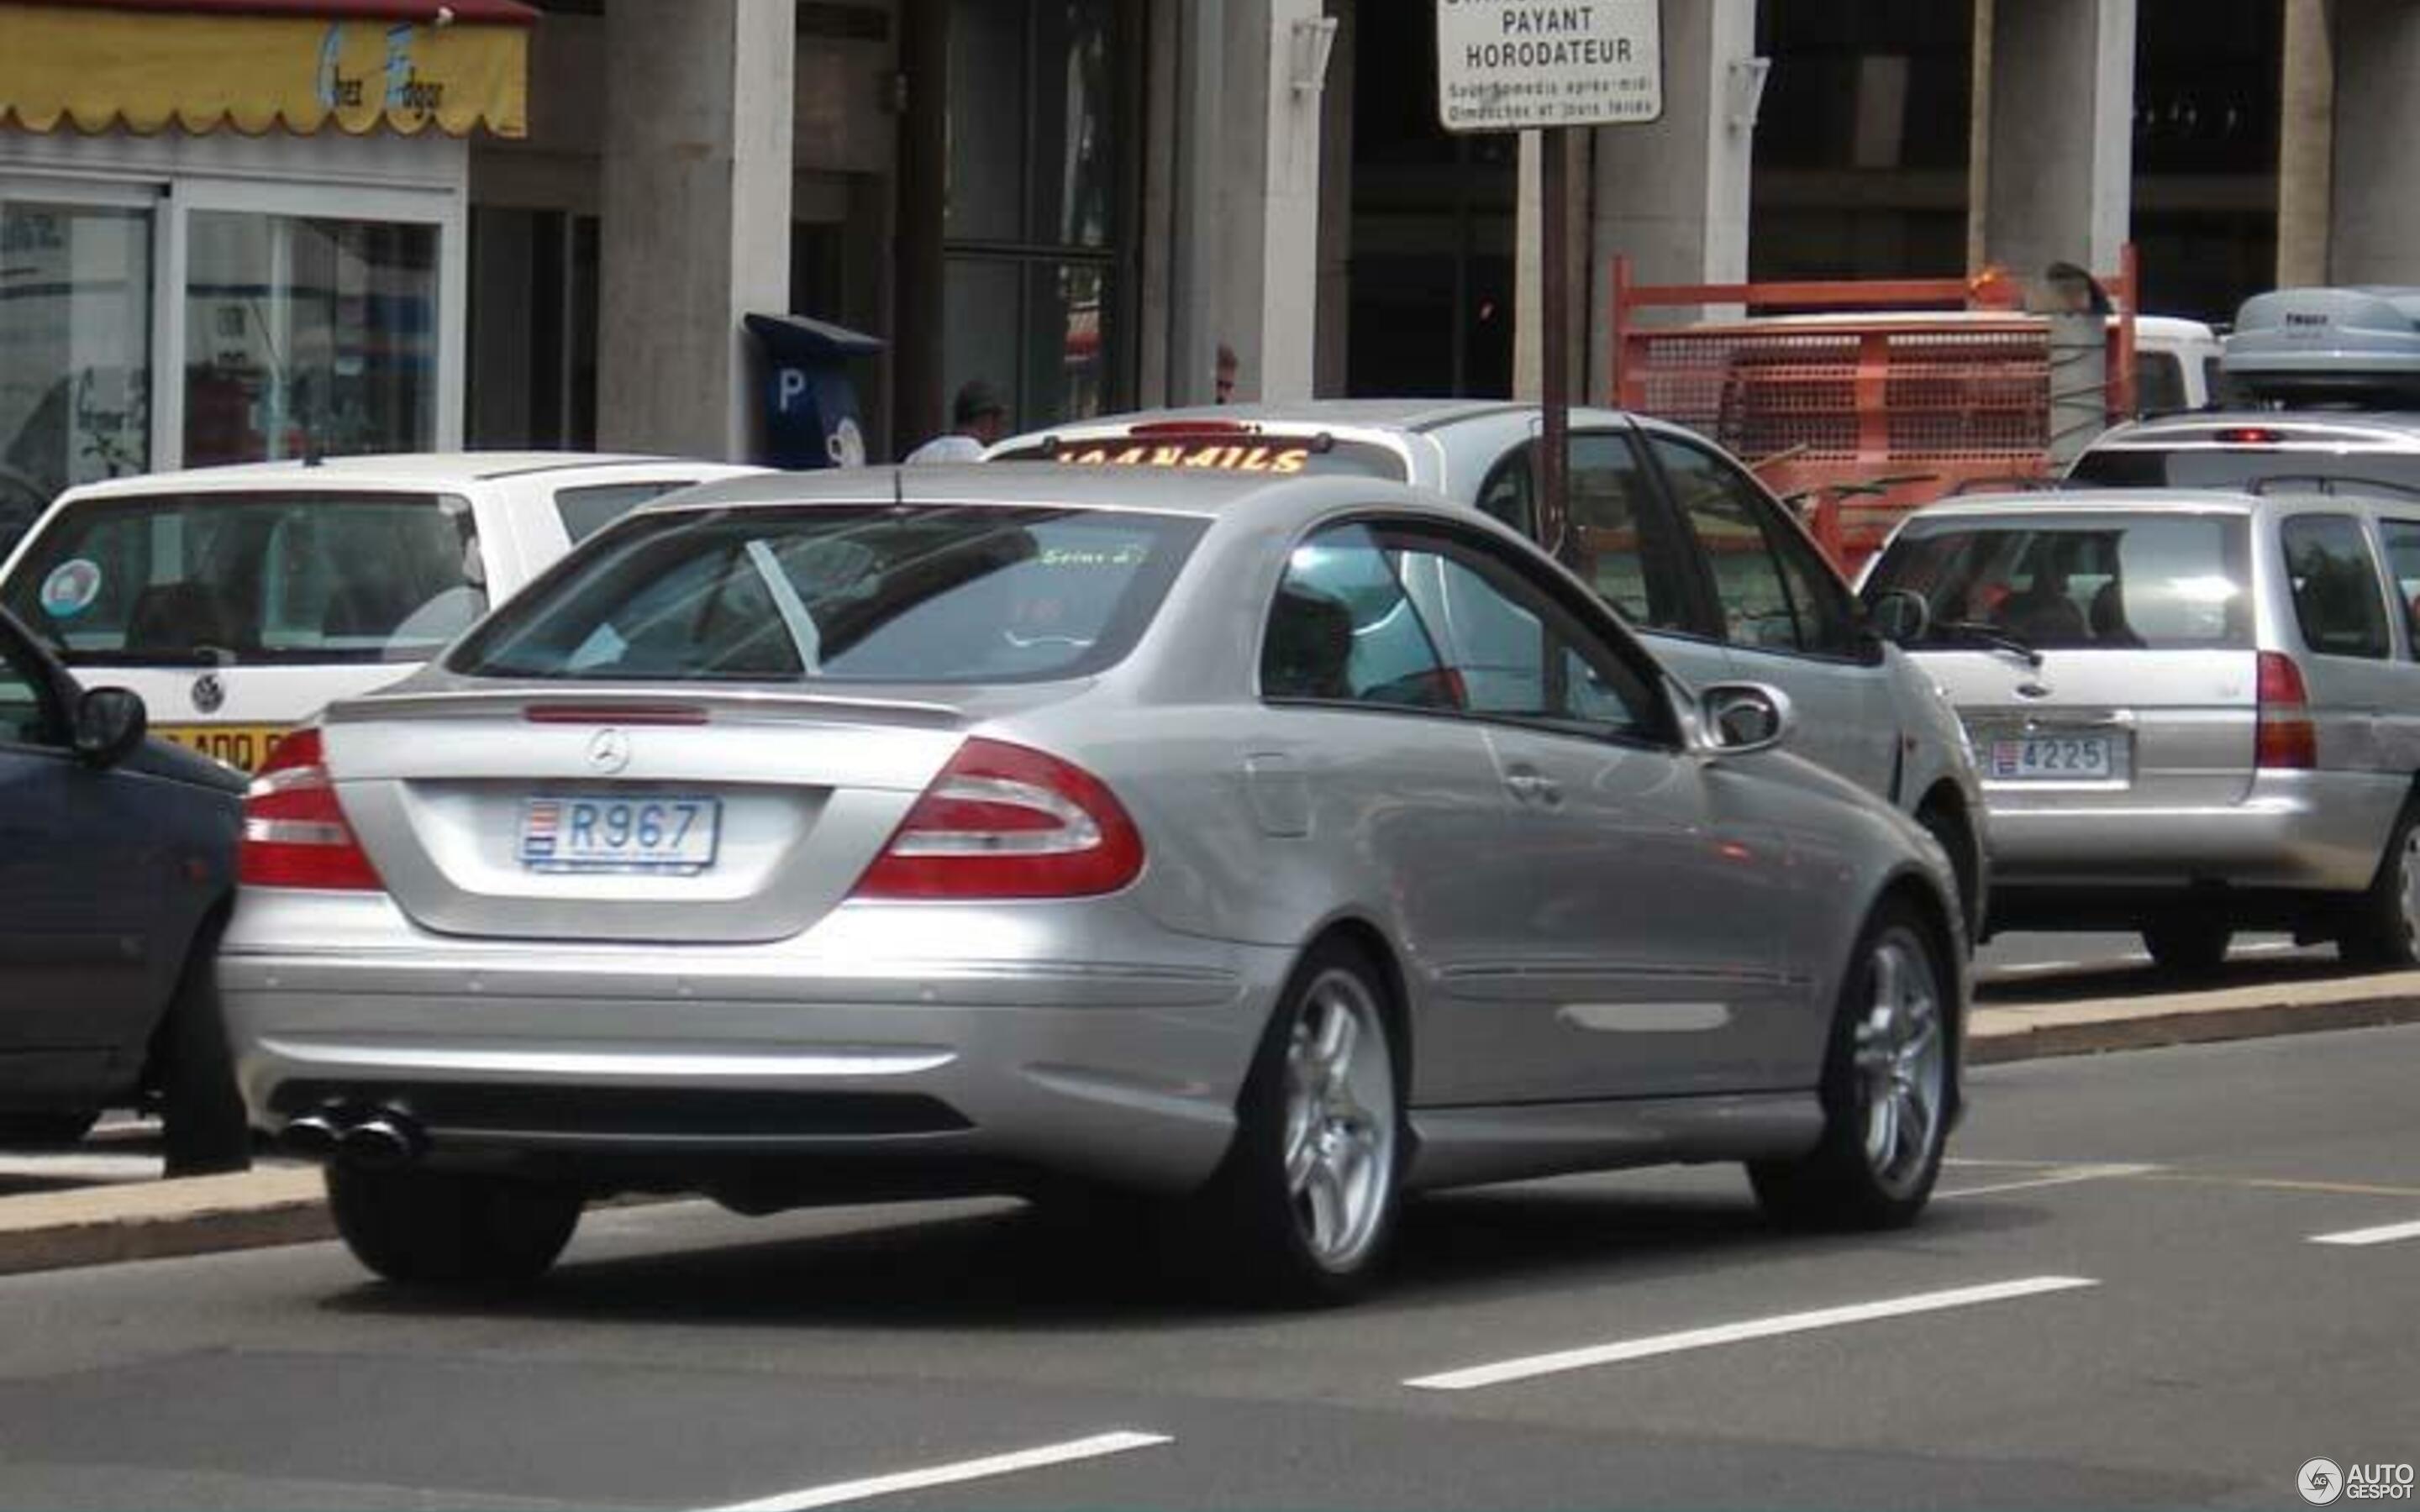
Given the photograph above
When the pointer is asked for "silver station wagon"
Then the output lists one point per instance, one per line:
(1683, 542)
(1272, 847)
(2196, 711)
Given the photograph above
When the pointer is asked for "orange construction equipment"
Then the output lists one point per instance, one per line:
(1861, 400)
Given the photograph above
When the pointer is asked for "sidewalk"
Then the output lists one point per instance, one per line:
(280, 1202)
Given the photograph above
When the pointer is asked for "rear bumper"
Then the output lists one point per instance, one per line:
(2294, 832)
(938, 1046)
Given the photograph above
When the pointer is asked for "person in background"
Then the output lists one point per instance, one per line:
(1225, 384)
(978, 418)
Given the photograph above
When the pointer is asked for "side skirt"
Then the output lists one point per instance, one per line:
(1465, 1147)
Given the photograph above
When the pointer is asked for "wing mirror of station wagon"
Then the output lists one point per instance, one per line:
(1742, 718)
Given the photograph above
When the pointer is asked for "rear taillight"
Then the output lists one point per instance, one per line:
(1004, 820)
(294, 832)
(2283, 735)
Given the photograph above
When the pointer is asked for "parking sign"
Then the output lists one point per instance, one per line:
(1524, 65)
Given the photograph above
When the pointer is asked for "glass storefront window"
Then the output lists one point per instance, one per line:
(304, 334)
(1033, 213)
(75, 350)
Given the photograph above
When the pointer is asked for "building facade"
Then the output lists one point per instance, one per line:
(239, 228)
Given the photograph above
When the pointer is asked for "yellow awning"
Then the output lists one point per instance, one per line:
(359, 67)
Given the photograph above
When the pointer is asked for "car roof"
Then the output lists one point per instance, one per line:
(417, 470)
(2310, 426)
(988, 484)
(2086, 501)
(1415, 415)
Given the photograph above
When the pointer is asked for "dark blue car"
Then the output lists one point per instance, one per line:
(116, 870)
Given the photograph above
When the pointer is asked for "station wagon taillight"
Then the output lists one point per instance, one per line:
(2283, 735)
(295, 834)
(1005, 821)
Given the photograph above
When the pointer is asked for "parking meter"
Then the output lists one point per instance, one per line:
(811, 417)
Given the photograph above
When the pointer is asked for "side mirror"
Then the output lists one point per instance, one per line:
(109, 723)
(1742, 718)
(1900, 617)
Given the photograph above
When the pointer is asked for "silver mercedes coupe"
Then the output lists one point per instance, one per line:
(1264, 848)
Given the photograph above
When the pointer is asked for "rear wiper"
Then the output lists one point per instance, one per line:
(1989, 635)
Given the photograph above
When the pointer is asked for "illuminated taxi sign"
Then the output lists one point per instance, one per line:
(1208, 457)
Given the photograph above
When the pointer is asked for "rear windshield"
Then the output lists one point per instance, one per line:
(2133, 467)
(1282, 455)
(231, 579)
(2161, 582)
(921, 593)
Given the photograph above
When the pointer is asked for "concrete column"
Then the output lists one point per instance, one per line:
(2376, 231)
(1329, 368)
(2305, 144)
(696, 217)
(1674, 195)
(2056, 183)
(1246, 269)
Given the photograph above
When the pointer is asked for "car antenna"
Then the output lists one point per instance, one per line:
(898, 493)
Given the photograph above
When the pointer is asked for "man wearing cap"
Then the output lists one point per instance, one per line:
(979, 418)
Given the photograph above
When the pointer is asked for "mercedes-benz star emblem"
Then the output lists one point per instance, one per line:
(209, 692)
(608, 750)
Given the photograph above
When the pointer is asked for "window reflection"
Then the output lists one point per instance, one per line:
(75, 351)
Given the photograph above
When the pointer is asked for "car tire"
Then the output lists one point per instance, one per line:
(1304, 1206)
(2190, 946)
(203, 1124)
(2383, 925)
(45, 1131)
(451, 1230)
(1887, 1073)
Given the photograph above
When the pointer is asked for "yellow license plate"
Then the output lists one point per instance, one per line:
(244, 746)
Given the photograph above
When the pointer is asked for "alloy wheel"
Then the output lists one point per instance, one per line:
(1902, 1061)
(1339, 1121)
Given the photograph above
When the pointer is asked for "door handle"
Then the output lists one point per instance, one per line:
(1534, 787)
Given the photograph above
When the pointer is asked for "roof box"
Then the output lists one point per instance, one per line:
(2329, 345)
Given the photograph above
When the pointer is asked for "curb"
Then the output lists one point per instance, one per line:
(161, 1220)
(2002, 1043)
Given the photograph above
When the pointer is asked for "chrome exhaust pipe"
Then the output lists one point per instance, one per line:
(313, 1136)
(381, 1142)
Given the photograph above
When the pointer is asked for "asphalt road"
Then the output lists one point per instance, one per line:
(2117, 1301)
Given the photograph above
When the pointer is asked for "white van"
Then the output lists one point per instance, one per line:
(237, 600)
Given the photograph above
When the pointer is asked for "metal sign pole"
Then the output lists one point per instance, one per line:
(1554, 307)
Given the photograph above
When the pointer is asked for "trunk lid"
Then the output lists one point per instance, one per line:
(466, 804)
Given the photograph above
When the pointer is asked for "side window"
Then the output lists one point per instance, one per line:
(1753, 586)
(1513, 651)
(1343, 629)
(2335, 586)
(2403, 538)
(27, 718)
(586, 511)
(1612, 537)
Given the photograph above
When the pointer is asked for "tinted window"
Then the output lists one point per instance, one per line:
(2402, 539)
(2163, 581)
(253, 578)
(1342, 628)
(2159, 383)
(1770, 600)
(2336, 585)
(924, 594)
(1614, 532)
(586, 511)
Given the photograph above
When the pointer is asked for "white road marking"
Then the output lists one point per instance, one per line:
(2057, 1175)
(964, 1470)
(2384, 1234)
(1761, 1328)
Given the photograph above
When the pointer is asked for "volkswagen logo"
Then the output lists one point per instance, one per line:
(209, 692)
(609, 751)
